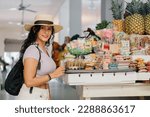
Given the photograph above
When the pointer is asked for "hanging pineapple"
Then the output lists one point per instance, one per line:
(135, 21)
(117, 10)
(147, 17)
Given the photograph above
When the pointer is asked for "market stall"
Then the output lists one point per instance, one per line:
(113, 60)
(98, 75)
(105, 78)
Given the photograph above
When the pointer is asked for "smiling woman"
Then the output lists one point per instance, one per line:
(11, 16)
(44, 33)
(36, 76)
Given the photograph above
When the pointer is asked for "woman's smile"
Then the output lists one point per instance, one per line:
(45, 36)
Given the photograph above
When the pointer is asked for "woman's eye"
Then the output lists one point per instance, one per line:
(46, 28)
(42, 27)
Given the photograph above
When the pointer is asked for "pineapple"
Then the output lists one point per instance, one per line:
(127, 17)
(134, 24)
(127, 23)
(117, 10)
(147, 17)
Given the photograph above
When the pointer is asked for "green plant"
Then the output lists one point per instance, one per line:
(102, 25)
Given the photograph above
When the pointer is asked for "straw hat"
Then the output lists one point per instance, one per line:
(43, 19)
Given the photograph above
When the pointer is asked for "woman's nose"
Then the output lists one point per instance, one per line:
(46, 31)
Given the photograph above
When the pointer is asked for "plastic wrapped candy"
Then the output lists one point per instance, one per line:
(80, 47)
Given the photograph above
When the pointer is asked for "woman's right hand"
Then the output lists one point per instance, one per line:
(58, 72)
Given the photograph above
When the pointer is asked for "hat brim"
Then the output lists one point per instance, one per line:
(57, 28)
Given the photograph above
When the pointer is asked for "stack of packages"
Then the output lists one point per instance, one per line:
(123, 63)
(133, 65)
(141, 65)
(125, 47)
(107, 60)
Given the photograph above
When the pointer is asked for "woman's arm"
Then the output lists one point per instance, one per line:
(30, 79)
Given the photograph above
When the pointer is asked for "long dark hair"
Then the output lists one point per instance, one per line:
(32, 36)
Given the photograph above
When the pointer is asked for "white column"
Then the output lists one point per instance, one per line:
(64, 20)
(70, 18)
(75, 17)
(106, 13)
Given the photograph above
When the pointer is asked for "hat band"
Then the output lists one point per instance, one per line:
(43, 22)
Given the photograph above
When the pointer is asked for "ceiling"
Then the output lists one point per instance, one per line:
(10, 19)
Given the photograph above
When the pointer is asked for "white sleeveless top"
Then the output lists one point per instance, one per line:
(47, 63)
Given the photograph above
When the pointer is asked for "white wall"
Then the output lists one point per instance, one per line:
(69, 16)
(12, 45)
(91, 13)
(1, 45)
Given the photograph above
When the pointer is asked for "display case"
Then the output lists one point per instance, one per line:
(114, 84)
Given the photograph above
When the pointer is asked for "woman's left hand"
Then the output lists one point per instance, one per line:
(58, 72)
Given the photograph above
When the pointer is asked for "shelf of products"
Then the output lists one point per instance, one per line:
(116, 63)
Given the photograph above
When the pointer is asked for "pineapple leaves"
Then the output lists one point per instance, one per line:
(136, 6)
(117, 9)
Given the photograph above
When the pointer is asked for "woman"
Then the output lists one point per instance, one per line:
(41, 33)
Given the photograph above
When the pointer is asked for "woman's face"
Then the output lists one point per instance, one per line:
(44, 33)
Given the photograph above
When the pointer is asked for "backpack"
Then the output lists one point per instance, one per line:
(15, 78)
